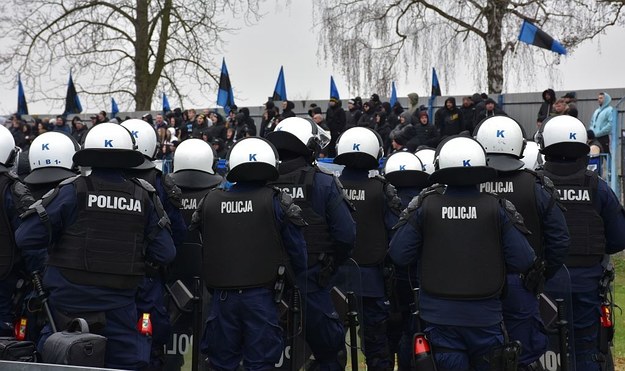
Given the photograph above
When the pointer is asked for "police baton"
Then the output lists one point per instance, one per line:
(352, 318)
(296, 309)
(44, 299)
(197, 322)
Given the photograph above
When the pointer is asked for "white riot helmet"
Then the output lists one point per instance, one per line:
(460, 160)
(359, 148)
(532, 159)
(51, 158)
(426, 155)
(108, 145)
(146, 138)
(299, 135)
(404, 169)
(503, 140)
(563, 136)
(252, 158)
(8, 151)
(194, 165)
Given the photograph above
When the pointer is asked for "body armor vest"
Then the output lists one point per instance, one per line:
(248, 256)
(519, 188)
(459, 260)
(299, 185)
(8, 253)
(371, 236)
(577, 194)
(106, 245)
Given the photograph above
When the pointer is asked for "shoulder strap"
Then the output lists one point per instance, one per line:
(390, 193)
(163, 219)
(290, 209)
(515, 217)
(174, 193)
(416, 203)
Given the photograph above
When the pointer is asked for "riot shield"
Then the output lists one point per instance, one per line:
(557, 314)
(348, 303)
(187, 302)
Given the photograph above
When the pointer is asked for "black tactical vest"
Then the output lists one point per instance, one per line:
(462, 256)
(371, 236)
(577, 194)
(106, 245)
(518, 188)
(299, 185)
(8, 248)
(242, 245)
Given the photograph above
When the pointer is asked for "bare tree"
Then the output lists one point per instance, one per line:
(132, 49)
(372, 42)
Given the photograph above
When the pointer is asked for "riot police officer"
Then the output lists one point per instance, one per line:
(15, 200)
(194, 173)
(151, 291)
(404, 170)
(329, 235)
(426, 156)
(246, 260)
(50, 158)
(535, 198)
(377, 210)
(596, 223)
(102, 229)
(462, 268)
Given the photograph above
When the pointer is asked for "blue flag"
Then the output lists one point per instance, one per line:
(279, 92)
(72, 102)
(334, 92)
(22, 107)
(393, 94)
(436, 87)
(166, 107)
(225, 96)
(533, 35)
(114, 108)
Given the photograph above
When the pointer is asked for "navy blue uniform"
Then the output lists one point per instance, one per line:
(126, 347)
(244, 323)
(7, 285)
(466, 330)
(376, 307)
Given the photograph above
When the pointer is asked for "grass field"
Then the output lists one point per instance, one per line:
(619, 316)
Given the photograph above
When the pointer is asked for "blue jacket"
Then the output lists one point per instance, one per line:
(32, 235)
(518, 254)
(602, 118)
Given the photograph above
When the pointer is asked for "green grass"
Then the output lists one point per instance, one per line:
(619, 299)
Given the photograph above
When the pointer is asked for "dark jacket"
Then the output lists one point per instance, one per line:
(547, 105)
(288, 111)
(336, 119)
(448, 121)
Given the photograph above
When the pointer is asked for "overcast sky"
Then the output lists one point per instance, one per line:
(285, 37)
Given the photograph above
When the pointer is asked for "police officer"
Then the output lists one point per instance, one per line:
(536, 199)
(151, 291)
(462, 268)
(103, 228)
(596, 223)
(50, 158)
(15, 200)
(405, 171)
(426, 156)
(377, 210)
(194, 173)
(246, 260)
(329, 235)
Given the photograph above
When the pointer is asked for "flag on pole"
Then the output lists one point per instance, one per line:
(436, 87)
(225, 96)
(166, 107)
(72, 102)
(393, 94)
(334, 92)
(22, 107)
(114, 108)
(533, 35)
(279, 92)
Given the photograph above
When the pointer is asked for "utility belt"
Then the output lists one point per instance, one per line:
(95, 320)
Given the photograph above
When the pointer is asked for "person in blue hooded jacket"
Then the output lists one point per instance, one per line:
(602, 120)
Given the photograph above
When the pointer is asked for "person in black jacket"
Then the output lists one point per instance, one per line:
(426, 134)
(287, 109)
(353, 114)
(448, 119)
(366, 119)
(335, 120)
(546, 108)
(383, 128)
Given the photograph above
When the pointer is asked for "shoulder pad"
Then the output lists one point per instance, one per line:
(515, 217)
(550, 188)
(23, 198)
(174, 193)
(291, 210)
(416, 203)
(338, 183)
(69, 180)
(144, 184)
